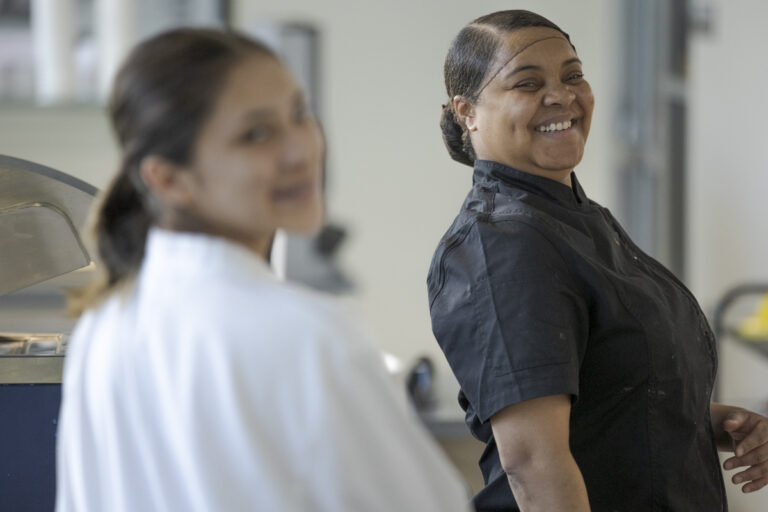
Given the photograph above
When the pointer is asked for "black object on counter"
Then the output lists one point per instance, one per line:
(419, 383)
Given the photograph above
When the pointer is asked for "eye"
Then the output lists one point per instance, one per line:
(575, 77)
(258, 134)
(529, 85)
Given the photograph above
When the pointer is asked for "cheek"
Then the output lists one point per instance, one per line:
(315, 144)
(247, 184)
(259, 187)
(587, 101)
(507, 120)
(589, 105)
(519, 117)
(316, 140)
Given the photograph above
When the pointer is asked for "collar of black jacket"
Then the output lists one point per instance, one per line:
(496, 174)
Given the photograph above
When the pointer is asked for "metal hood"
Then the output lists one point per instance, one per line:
(41, 213)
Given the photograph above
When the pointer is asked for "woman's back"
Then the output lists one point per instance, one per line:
(210, 385)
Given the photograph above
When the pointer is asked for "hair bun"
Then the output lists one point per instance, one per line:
(453, 137)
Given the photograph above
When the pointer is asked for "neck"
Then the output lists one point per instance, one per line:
(562, 176)
(259, 245)
(567, 180)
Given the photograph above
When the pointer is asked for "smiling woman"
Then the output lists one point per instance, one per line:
(533, 110)
(195, 380)
(255, 167)
(534, 114)
(585, 366)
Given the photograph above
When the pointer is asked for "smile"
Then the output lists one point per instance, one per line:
(555, 127)
(297, 192)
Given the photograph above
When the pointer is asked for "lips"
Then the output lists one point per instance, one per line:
(295, 192)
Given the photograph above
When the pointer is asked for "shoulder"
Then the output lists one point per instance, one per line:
(479, 247)
(99, 330)
(279, 302)
(108, 312)
(269, 316)
(488, 217)
(306, 344)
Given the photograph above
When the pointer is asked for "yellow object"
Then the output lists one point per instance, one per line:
(755, 327)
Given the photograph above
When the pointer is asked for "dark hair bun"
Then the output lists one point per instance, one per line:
(454, 140)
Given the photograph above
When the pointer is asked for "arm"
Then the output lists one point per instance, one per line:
(744, 433)
(532, 438)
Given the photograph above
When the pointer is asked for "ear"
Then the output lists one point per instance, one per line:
(169, 183)
(465, 112)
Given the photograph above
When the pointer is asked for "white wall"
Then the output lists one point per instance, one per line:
(76, 140)
(392, 183)
(728, 151)
(728, 185)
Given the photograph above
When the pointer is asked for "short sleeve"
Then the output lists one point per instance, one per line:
(509, 316)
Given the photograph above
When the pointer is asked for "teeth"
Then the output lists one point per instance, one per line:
(554, 127)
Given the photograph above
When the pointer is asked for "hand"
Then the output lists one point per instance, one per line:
(749, 435)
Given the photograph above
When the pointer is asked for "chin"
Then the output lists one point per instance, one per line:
(307, 230)
(310, 225)
(562, 164)
(302, 221)
(565, 158)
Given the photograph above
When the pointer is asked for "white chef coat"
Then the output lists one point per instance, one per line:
(209, 385)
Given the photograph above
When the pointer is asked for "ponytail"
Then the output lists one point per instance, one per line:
(121, 228)
(122, 222)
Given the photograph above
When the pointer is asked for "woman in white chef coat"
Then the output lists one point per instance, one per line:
(194, 379)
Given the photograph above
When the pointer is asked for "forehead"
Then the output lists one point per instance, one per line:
(258, 84)
(540, 43)
(259, 78)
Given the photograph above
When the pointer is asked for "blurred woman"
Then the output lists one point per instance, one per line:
(195, 380)
(585, 366)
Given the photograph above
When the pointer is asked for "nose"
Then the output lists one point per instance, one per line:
(559, 94)
(301, 146)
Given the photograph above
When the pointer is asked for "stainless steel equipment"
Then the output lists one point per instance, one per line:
(41, 213)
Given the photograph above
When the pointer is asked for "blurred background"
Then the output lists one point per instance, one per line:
(672, 153)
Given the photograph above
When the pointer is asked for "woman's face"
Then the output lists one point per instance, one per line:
(534, 114)
(257, 162)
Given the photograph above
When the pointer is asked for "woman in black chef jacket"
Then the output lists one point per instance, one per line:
(585, 366)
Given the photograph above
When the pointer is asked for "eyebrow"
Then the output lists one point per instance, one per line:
(258, 114)
(537, 68)
(265, 113)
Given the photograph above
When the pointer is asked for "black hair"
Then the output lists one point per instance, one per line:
(467, 64)
(162, 96)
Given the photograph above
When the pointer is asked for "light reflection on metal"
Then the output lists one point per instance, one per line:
(41, 211)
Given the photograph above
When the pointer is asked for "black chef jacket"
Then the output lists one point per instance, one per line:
(534, 291)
